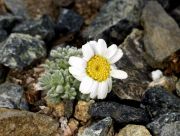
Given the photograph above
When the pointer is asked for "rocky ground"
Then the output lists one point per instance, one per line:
(145, 104)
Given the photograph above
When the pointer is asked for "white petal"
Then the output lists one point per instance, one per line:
(119, 74)
(113, 66)
(102, 90)
(86, 84)
(77, 73)
(116, 56)
(93, 44)
(77, 62)
(94, 90)
(111, 51)
(101, 47)
(87, 51)
(109, 84)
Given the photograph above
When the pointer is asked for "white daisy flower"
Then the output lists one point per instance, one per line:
(96, 68)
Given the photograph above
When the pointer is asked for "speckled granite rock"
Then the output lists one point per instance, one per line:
(120, 113)
(23, 123)
(166, 125)
(42, 26)
(101, 128)
(159, 101)
(132, 62)
(12, 96)
(21, 50)
(134, 130)
(162, 34)
(115, 20)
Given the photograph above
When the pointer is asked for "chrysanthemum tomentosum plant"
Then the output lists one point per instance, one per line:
(57, 80)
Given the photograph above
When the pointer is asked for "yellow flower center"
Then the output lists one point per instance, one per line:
(98, 68)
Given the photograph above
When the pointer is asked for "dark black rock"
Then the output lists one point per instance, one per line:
(115, 20)
(63, 3)
(43, 27)
(167, 125)
(3, 35)
(121, 113)
(21, 50)
(69, 21)
(158, 101)
(3, 73)
(176, 15)
(7, 22)
(12, 96)
(17, 7)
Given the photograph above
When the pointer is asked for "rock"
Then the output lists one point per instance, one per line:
(31, 8)
(115, 20)
(43, 27)
(69, 21)
(166, 125)
(59, 109)
(101, 128)
(161, 38)
(12, 96)
(121, 113)
(81, 111)
(21, 50)
(169, 83)
(133, 63)
(21, 123)
(17, 7)
(64, 108)
(176, 14)
(73, 125)
(2, 7)
(178, 87)
(3, 73)
(63, 3)
(158, 101)
(3, 35)
(134, 130)
(88, 9)
(8, 21)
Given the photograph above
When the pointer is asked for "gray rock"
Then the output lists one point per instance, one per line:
(8, 21)
(158, 101)
(101, 128)
(121, 113)
(69, 21)
(21, 50)
(161, 34)
(17, 7)
(178, 87)
(115, 20)
(12, 96)
(166, 125)
(43, 27)
(23, 123)
(133, 63)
